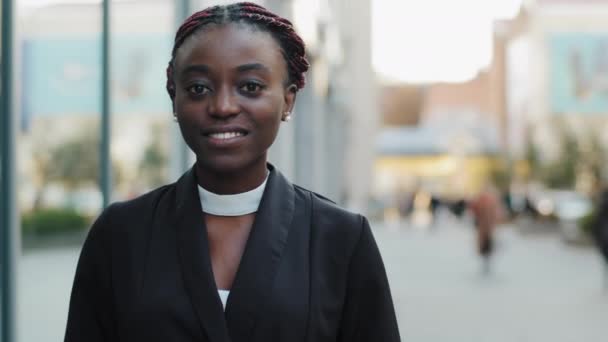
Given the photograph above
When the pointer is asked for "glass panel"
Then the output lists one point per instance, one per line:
(141, 109)
(58, 147)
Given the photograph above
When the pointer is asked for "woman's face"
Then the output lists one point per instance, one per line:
(231, 95)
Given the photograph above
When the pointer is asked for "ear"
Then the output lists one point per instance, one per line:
(290, 97)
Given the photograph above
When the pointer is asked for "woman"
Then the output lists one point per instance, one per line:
(232, 251)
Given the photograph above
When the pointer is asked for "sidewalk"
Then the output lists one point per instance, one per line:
(540, 288)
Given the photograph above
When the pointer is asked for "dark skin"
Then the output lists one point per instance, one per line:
(231, 95)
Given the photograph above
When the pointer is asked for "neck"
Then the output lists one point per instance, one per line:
(223, 182)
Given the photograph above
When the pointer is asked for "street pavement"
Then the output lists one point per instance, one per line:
(539, 289)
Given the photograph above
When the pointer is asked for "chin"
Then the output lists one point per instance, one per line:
(225, 164)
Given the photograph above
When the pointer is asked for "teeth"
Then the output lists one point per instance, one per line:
(226, 135)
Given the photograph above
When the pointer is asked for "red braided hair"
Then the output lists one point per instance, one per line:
(292, 46)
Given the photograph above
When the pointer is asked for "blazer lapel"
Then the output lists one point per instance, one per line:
(193, 249)
(260, 261)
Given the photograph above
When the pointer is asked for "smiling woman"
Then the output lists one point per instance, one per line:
(232, 251)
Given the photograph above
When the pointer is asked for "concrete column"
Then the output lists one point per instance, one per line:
(359, 87)
(9, 239)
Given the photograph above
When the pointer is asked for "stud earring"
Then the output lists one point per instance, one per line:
(287, 117)
(174, 117)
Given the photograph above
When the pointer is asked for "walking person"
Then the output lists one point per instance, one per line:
(486, 211)
(232, 251)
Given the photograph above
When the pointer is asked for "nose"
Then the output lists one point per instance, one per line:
(224, 103)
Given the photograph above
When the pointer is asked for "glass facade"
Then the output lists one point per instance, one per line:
(58, 141)
(58, 113)
(140, 45)
(58, 109)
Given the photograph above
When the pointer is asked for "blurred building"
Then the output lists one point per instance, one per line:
(552, 62)
(401, 105)
(442, 100)
(550, 72)
(443, 138)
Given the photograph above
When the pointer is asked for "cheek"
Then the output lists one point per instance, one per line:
(181, 102)
(188, 110)
(272, 121)
(268, 129)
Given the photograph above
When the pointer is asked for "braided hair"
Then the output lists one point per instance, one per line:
(292, 46)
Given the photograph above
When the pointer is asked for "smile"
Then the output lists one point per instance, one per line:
(226, 135)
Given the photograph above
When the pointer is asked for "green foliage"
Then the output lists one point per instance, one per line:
(532, 157)
(152, 166)
(587, 222)
(560, 175)
(73, 163)
(596, 159)
(76, 161)
(53, 221)
(562, 172)
(501, 177)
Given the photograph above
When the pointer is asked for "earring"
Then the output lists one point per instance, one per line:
(287, 117)
(174, 117)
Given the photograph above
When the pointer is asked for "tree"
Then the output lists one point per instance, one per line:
(73, 163)
(153, 165)
(76, 162)
(563, 172)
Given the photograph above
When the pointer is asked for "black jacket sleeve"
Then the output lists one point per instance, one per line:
(369, 314)
(600, 226)
(90, 316)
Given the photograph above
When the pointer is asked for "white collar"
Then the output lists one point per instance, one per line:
(231, 205)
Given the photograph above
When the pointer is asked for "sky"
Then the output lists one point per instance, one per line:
(422, 41)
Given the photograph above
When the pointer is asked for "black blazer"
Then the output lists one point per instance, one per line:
(311, 271)
(600, 224)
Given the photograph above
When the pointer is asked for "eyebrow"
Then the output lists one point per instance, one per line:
(197, 68)
(204, 69)
(252, 67)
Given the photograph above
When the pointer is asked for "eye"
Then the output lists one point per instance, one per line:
(198, 89)
(251, 87)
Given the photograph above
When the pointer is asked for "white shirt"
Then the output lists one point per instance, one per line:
(232, 205)
(224, 297)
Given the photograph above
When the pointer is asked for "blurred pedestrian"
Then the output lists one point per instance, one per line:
(434, 206)
(458, 207)
(486, 210)
(163, 266)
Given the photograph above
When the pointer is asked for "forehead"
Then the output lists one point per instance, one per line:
(229, 45)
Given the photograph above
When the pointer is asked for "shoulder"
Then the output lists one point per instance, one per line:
(324, 206)
(130, 216)
(141, 205)
(331, 221)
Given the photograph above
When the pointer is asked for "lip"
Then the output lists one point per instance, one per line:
(224, 142)
(223, 129)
